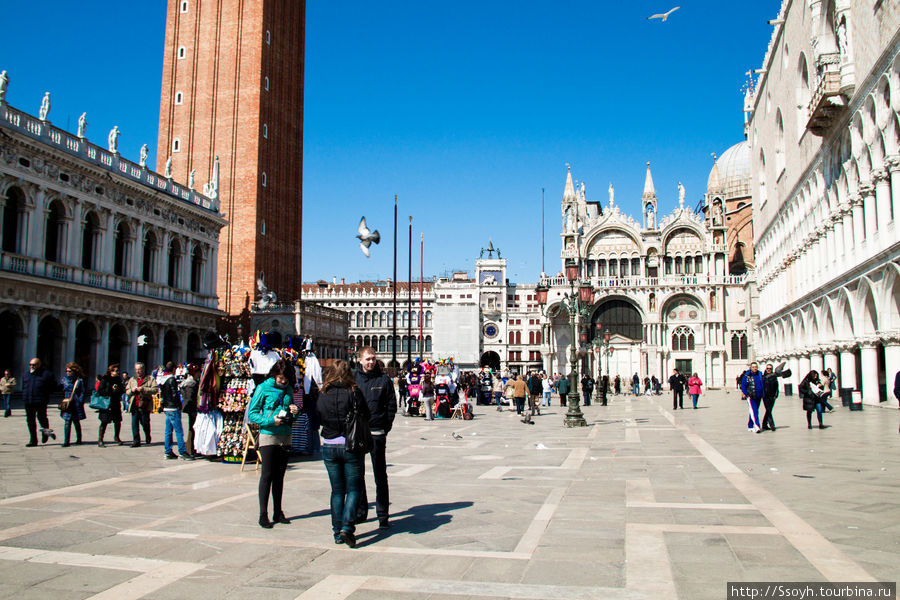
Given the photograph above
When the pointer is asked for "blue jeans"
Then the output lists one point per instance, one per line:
(345, 472)
(546, 398)
(173, 421)
(694, 398)
(6, 398)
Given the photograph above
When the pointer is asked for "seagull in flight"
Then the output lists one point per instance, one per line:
(663, 16)
(366, 237)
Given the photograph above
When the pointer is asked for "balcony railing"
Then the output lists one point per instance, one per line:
(827, 104)
(27, 265)
(652, 282)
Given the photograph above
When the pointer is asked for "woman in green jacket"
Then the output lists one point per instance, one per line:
(273, 410)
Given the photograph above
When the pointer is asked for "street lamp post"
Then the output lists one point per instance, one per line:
(576, 305)
(602, 344)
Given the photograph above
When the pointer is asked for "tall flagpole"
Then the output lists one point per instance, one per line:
(542, 232)
(421, 297)
(409, 294)
(394, 319)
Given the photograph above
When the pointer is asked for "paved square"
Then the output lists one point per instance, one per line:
(643, 503)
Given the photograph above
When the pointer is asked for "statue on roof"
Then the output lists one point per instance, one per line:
(612, 195)
(680, 195)
(4, 83)
(168, 172)
(144, 152)
(113, 139)
(82, 125)
(45, 107)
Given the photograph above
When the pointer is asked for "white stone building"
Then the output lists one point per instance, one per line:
(825, 157)
(97, 252)
(661, 288)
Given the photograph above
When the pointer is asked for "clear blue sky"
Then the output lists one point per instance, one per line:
(465, 110)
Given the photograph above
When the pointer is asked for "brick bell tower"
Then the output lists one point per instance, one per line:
(232, 87)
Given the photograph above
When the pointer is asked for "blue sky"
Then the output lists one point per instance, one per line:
(465, 110)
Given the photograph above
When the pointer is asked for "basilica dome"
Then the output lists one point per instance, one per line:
(731, 172)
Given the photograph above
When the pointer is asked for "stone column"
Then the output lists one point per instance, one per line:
(858, 218)
(31, 335)
(162, 262)
(847, 374)
(882, 197)
(132, 328)
(838, 225)
(867, 194)
(107, 244)
(137, 254)
(891, 343)
(817, 362)
(71, 324)
(72, 254)
(37, 218)
(869, 357)
(804, 363)
(103, 347)
(847, 225)
(794, 365)
(893, 166)
(157, 354)
(832, 360)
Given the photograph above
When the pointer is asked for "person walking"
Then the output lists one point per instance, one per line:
(604, 390)
(170, 404)
(617, 385)
(587, 388)
(563, 387)
(7, 387)
(272, 408)
(547, 389)
(828, 384)
(498, 390)
(427, 394)
(339, 395)
(677, 383)
(188, 389)
(636, 385)
(770, 393)
(520, 394)
(694, 389)
(752, 389)
(37, 384)
(141, 389)
(535, 391)
(111, 386)
(811, 393)
(381, 402)
(657, 386)
(72, 407)
(509, 392)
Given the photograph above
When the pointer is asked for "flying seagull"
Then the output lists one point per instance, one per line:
(366, 237)
(663, 16)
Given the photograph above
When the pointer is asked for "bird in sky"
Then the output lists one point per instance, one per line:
(663, 16)
(366, 237)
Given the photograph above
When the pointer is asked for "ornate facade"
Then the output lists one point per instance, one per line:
(825, 157)
(662, 289)
(101, 259)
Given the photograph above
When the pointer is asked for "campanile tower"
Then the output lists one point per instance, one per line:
(232, 87)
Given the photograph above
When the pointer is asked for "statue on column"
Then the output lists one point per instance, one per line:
(651, 220)
(612, 195)
(144, 152)
(168, 172)
(680, 195)
(191, 179)
(4, 83)
(82, 125)
(113, 139)
(45, 107)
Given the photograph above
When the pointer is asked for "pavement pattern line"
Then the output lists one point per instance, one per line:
(340, 587)
(697, 505)
(648, 567)
(100, 483)
(833, 564)
(528, 543)
(195, 510)
(66, 518)
(155, 574)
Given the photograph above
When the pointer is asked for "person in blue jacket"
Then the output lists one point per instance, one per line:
(272, 408)
(752, 388)
(73, 390)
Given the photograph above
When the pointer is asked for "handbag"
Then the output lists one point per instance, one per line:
(99, 402)
(357, 434)
(67, 402)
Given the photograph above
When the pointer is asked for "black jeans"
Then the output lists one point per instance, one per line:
(677, 399)
(68, 431)
(139, 419)
(274, 464)
(379, 471)
(768, 422)
(36, 410)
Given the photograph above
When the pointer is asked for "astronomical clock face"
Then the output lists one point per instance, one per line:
(490, 330)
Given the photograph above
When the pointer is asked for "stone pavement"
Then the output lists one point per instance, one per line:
(645, 503)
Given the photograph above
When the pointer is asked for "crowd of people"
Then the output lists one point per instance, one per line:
(761, 389)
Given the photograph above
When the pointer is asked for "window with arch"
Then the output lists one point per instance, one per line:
(427, 318)
(264, 179)
(122, 250)
(176, 145)
(179, 98)
(779, 142)
(427, 343)
(184, 6)
(90, 240)
(739, 345)
(683, 338)
(54, 235)
(182, 51)
(366, 320)
(266, 83)
(405, 321)
(359, 319)
(13, 214)
(382, 344)
(149, 262)
(761, 176)
(174, 263)
(265, 131)
(803, 95)
(382, 319)
(196, 268)
(712, 301)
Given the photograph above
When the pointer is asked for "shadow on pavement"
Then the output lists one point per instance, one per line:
(415, 520)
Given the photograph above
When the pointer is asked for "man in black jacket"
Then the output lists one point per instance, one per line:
(378, 390)
(770, 393)
(37, 385)
(677, 383)
(171, 405)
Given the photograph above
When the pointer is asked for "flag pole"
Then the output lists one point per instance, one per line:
(394, 319)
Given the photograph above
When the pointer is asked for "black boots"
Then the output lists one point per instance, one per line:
(100, 434)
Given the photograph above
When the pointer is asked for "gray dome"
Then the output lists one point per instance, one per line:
(731, 173)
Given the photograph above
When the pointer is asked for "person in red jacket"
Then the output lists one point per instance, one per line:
(694, 385)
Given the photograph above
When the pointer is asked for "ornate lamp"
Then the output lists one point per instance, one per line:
(586, 293)
(571, 270)
(541, 291)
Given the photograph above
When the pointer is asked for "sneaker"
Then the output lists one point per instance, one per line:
(187, 457)
(337, 539)
(171, 456)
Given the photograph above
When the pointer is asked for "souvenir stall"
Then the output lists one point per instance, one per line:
(228, 380)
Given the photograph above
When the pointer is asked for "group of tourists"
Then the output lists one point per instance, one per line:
(111, 394)
(757, 388)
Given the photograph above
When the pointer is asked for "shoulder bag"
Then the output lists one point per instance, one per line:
(99, 402)
(357, 434)
(66, 403)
